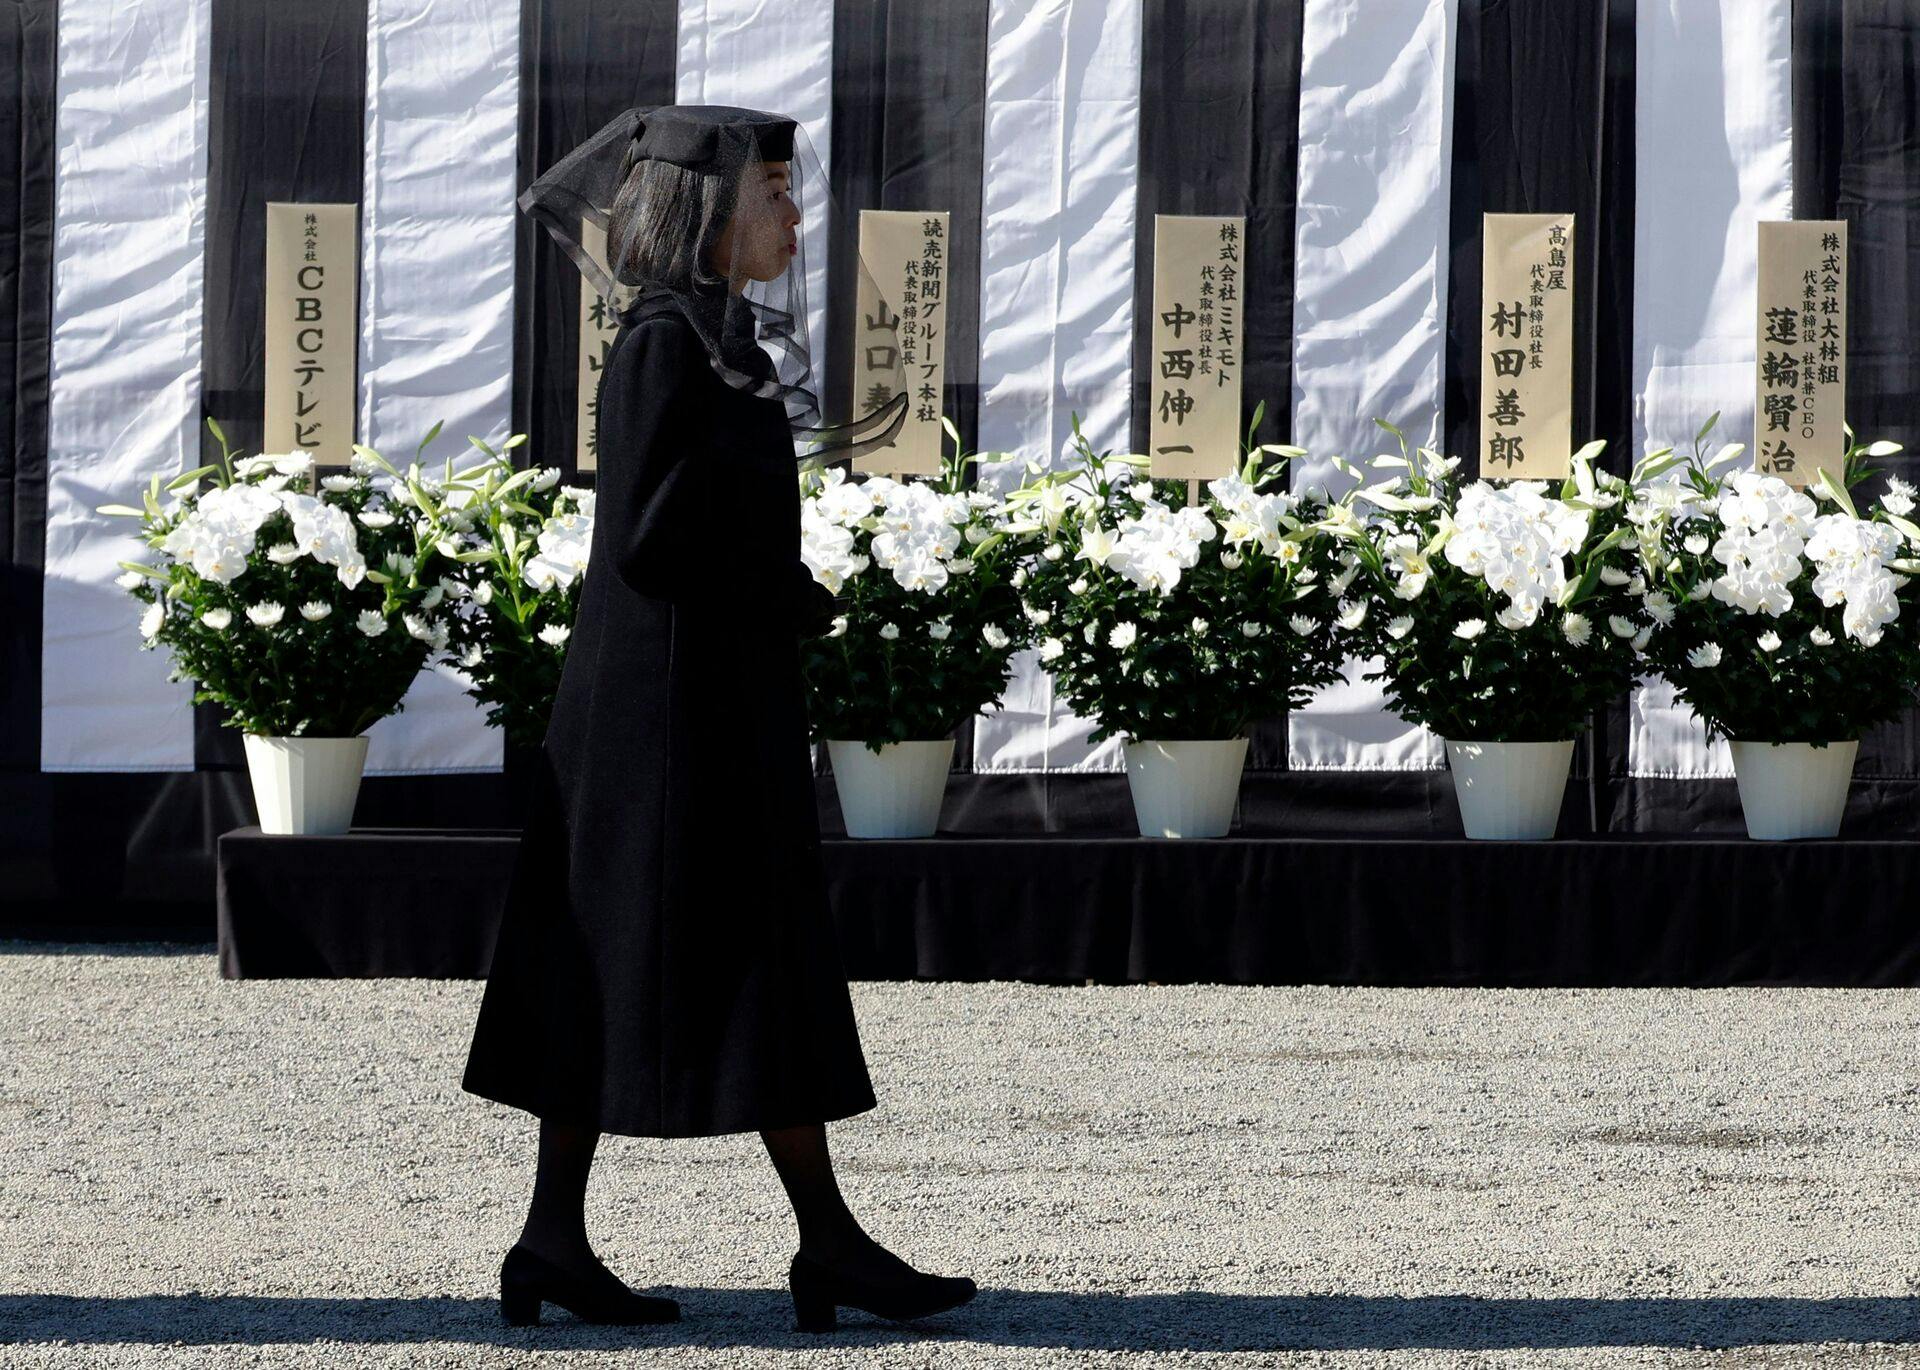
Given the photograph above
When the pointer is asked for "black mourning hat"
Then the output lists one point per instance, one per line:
(689, 135)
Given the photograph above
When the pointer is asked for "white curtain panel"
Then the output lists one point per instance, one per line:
(436, 308)
(1061, 174)
(776, 57)
(1713, 114)
(128, 248)
(1370, 294)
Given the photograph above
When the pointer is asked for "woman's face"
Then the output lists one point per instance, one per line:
(759, 241)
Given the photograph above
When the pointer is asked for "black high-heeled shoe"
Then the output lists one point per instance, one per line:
(819, 1293)
(528, 1278)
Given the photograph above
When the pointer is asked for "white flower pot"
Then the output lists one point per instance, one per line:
(895, 793)
(305, 784)
(1185, 789)
(1793, 789)
(1510, 791)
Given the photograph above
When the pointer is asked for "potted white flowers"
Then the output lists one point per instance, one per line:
(930, 617)
(517, 589)
(1790, 630)
(302, 603)
(1176, 627)
(1496, 610)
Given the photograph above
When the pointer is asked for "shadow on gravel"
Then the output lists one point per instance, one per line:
(1194, 1321)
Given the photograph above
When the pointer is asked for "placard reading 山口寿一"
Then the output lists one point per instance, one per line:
(1800, 350)
(312, 329)
(900, 332)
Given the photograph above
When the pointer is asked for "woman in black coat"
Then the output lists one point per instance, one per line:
(666, 964)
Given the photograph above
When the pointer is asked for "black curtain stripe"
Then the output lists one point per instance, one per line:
(1219, 134)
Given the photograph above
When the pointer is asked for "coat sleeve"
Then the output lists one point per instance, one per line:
(649, 480)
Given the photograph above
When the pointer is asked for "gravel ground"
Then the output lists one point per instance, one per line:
(202, 1172)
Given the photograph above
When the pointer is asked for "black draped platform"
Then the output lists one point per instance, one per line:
(1244, 910)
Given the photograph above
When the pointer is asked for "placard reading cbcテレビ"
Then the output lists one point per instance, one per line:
(907, 252)
(1526, 346)
(1800, 352)
(312, 328)
(1198, 323)
(598, 325)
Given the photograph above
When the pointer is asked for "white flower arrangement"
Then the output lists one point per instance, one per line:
(275, 592)
(1777, 620)
(516, 593)
(925, 578)
(1185, 622)
(1483, 599)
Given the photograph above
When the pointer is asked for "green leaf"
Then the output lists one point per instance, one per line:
(181, 482)
(1838, 492)
(1706, 427)
(121, 511)
(432, 433)
(1390, 428)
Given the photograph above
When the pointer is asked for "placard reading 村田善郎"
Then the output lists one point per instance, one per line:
(312, 329)
(1800, 350)
(900, 322)
(1199, 271)
(1526, 346)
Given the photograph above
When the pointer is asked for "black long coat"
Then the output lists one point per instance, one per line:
(666, 966)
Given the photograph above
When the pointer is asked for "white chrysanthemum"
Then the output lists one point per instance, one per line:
(1577, 629)
(1769, 641)
(939, 630)
(153, 619)
(1659, 606)
(1613, 575)
(314, 610)
(283, 553)
(546, 480)
(265, 614)
(1642, 638)
(1051, 649)
(1704, 657)
(1232, 561)
(1301, 624)
(1039, 618)
(1621, 627)
(994, 636)
(1399, 627)
(472, 656)
(129, 580)
(1053, 551)
(1820, 637)
(1122, 636)
(890, 631)
(555, 634)
(217, 619)
(1350, 614)
(483, 593)
(376, 518)
(839, 626)
(1470, 628)
(417, 626)
(1249, 628)
(1697, 544)
(1199, 626)
(339, 485)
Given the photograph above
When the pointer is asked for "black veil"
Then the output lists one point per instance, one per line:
(721, 209)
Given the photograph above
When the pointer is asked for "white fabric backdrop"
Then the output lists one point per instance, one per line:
(1713, 115)
(128, 248)
(1370, 293)
(1056, 291)
(436, 308)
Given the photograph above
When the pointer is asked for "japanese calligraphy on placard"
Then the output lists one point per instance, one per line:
(598, 324)
(1198, 278)
(901, 317)
(1526, 346)
(313, 329)
(1800, 352)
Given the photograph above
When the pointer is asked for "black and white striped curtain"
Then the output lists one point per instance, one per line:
(1362, 139)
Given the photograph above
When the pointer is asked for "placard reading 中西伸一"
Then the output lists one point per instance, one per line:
(1199, 267)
